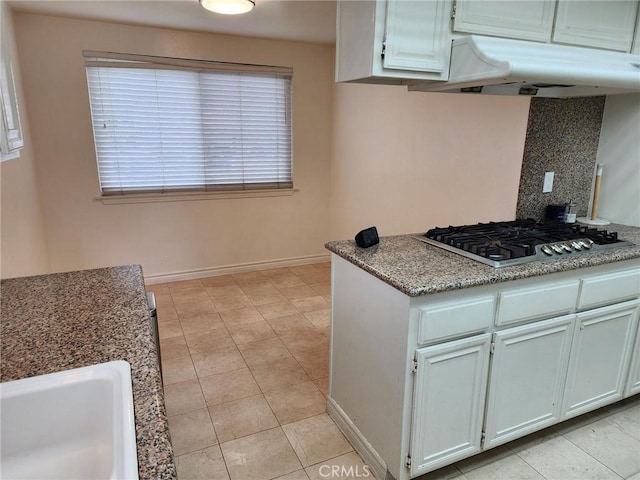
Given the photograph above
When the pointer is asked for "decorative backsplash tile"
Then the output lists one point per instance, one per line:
(562, 137)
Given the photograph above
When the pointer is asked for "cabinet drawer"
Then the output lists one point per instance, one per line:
(536, 302)
(609, 288)
(448, 320)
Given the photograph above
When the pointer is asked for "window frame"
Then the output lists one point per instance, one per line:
(206, 191)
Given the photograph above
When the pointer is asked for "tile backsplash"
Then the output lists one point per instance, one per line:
(562, 137)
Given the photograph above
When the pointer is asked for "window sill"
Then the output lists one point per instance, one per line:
(191, 196)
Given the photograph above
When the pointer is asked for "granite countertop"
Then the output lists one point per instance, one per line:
(50, 323)
(416, 268)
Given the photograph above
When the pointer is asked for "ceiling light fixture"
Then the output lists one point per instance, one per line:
(228, 7)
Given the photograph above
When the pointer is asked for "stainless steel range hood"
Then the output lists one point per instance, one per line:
(499, 66)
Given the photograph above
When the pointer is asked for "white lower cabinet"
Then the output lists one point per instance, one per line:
(448, 402)
(633, 383)
(527, 379)
(600, 357)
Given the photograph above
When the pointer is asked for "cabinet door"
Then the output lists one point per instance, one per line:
(633, 383)
(528, 373)
(600, 357)
(448, 402)
(10, 132)
(596, 23)
(417, 36)
(530, 20)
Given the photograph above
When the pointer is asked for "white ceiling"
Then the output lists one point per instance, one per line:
(301, 20)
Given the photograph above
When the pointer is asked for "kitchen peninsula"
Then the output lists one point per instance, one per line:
(61, 321)
(436, 357)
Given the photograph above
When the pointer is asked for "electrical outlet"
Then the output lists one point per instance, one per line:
(547, 186)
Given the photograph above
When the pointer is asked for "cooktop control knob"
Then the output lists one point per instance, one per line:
(566, 247)
(556, 248)
(546, 249)
(577, 245)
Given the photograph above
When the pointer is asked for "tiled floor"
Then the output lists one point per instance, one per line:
(245, 362)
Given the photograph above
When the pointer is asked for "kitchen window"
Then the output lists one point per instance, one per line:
(167, 126)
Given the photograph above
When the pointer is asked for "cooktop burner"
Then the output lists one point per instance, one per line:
(516, 242)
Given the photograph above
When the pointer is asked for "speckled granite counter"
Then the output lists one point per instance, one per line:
(50, 323)
(416, 268)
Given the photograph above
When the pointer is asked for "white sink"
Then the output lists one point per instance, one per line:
(75, 424)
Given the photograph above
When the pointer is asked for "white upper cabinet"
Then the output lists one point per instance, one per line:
(635, 48)
(607, 24)
(409, 43)
(382, 41)
(521, 19)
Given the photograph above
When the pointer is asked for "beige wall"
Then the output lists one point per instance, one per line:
(408, 161)
(23, 247)
(167, 237)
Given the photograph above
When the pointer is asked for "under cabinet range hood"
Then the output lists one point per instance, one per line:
(498, 66)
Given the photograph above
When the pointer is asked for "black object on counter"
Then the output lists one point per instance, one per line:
(367, 237)
(555, 212)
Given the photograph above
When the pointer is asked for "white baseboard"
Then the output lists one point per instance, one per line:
(238, 268)
(364, 448)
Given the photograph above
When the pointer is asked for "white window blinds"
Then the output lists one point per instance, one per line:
(167, 125)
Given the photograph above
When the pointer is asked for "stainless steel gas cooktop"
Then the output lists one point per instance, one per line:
(502, 244)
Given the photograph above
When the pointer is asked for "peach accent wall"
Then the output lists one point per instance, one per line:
(408, 161)
(167, 237)
(23, 246)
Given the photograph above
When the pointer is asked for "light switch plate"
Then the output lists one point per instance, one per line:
(547, 186)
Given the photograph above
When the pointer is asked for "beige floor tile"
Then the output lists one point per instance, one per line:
(485, 458)
(183, 397)
(205, 343)
(279, 374)
(276, 310)
(290, 324)
(296, 402)
(242, 417)
(156, 287)
(507, 468)
(222, 360)
(191, 431)
(208, 322)
(241, 316)
(184, 285)
(316, 439)
(576, 422)
(297, 292)
(302, 341)
(348, 466)
(224, 304)
(265, 298)
(206, 464)
(169, 329)
(264, 351)
(315, 277)
(297, 475)
(303, 269)
(314, 362)
(323, 385)
(263, 287)
(176, 370)
(286, 280)
(321, 288)
(260, 456)
(222, 291)
(163, 298)
(194, 294)
(627, 420)
(532, 440)
(217, 281)
(634, 477)
(325, 331)
(559, 459)
(195, 308)
(449, 472)
(228, 386)
(275, 272)
(609, 445)
(251, 332)
(173, 347)
(248, 278)
(319, 318)
(323, 266)
(166, 313)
